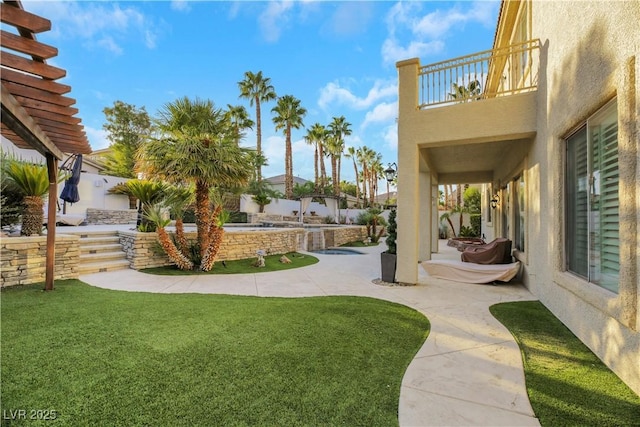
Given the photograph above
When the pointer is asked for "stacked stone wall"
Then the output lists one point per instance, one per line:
(144, 251)
(111, 216)
(23, 259)
(342, 235)
(255, 218)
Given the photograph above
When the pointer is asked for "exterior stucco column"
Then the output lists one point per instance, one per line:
(408, 217)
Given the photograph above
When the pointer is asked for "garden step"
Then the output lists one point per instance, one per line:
(103, 256)
(102, 266)
(92, 234)
(96, 249)
(94, 241)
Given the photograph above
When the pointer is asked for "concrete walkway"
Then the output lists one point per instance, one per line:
(469, 370)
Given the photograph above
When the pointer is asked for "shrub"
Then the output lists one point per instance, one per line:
(392, 233)
(476, 224)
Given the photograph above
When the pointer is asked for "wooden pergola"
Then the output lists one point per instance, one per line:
(35, 114)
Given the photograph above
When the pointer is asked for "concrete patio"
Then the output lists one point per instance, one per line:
(468, 372)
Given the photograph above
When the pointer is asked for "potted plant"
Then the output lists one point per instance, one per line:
(388, 258)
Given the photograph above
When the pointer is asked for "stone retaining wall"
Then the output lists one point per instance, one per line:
(340, 236)
(111, 216)
(24, 259)
(144, 251)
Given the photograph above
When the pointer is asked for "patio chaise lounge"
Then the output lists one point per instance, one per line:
(480, 264)
(496, 252)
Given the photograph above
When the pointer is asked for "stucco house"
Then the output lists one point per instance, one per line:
(548, 121)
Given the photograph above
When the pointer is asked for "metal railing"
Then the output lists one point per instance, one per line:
(497, 72)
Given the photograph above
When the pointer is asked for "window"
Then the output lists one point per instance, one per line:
(518, 207)
(592, 219)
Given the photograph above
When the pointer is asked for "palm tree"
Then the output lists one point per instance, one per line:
(339, 128)
(352, 153)
(240, 120)
(32, 180)
(178, 199)
(257, 89)
(289, 114)
(315, 136)
(464, 93)
(154, 214)
(197, 146)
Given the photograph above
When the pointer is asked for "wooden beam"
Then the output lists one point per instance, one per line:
(35, 82)
(61, 118)
(38, 94)
(52, 169)
(30, 66)
(30, 47)
(53, 130)
(19, 121)
(22, 19)
(42, 105)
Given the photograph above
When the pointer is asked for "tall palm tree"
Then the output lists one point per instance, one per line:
(288, 115)
(196, 145)
(339, 128)
(315, 136)
(240, 120)
(352, 153)
(257, 89)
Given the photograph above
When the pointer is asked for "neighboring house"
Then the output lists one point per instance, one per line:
(277, 182)
(552, 132)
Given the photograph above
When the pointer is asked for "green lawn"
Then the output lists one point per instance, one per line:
(242, 266)
(567, 384)
(359, 244)
(101, 357)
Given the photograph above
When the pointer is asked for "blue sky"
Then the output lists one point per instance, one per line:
(338, 58)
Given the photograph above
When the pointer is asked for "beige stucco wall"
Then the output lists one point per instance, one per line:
(590, 54)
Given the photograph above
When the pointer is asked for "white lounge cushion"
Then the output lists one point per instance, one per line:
(468, 272)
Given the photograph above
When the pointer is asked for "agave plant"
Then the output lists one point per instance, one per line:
(33, 182)
(153, 212)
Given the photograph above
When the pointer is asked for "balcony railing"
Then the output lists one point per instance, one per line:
(498, 72)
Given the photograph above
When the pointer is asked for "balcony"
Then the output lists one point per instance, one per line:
(473, 117)
(498, 72)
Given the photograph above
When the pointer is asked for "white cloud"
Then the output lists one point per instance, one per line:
(390, 136)
(334, 93)
(109, 44)
(425, 34)
(393, 52)
(180, 5)
(274, 19)
(97, 137)
(384, 112)
(100, 24)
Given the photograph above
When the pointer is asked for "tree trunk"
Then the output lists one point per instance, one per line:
(181, 239)
(33, 215)
(181, 261)
(323, 169)
(203, 215)
(288, 172)
(216, 233)
(258, 136)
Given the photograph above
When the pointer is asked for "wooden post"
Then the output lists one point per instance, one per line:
(52, 169)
